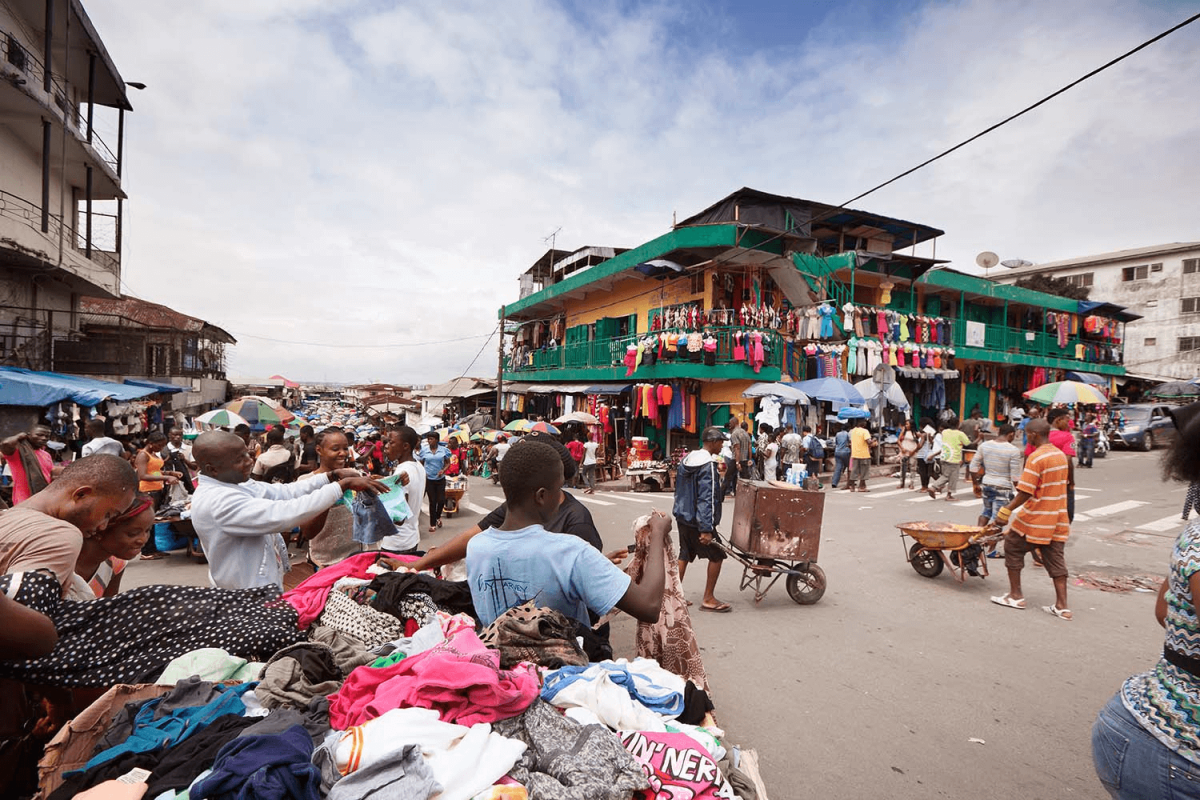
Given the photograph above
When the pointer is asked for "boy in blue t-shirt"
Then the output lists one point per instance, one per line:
(521, 560)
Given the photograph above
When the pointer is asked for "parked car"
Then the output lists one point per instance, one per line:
(1146, 424)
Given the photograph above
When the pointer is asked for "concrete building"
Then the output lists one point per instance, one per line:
(1162, 284)
(60, 181)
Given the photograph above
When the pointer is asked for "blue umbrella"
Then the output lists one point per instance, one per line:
(834, 390)
(849, 412)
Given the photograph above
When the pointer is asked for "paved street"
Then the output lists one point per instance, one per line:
(878, 689)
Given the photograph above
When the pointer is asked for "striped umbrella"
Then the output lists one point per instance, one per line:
(518, 425)
(221, 418)
(485, 435)
(542, 427)
(1067, 392)
(258, 412)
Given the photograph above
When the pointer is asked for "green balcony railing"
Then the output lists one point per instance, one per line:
(611, 352)
(1004, 339)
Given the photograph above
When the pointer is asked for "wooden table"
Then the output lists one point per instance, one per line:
(636, 476)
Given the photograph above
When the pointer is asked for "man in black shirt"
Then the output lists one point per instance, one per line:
(308, 451)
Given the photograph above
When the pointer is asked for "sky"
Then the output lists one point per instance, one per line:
(352, 187)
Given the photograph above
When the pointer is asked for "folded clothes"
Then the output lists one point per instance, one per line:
(627, 695)
(568, 761)
(309, 597)
(276, 766)
(464, 760)
(459, 678)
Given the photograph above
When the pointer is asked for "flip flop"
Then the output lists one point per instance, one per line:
(154, 556)
(724, 608)
(1006, 600)
(1061, 613)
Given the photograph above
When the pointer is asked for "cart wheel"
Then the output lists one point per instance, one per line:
(925, 562)
(808, 587)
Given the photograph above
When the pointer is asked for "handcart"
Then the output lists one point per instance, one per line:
(777, 532)
(937, 545)
(456, 487)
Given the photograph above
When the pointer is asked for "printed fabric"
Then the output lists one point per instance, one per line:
(1166, 700)
(670, 641)
(361, 622)
(459, 678)
(676, 767)
(564, 760)
(308, 599)
(132, 637)
(540, 636)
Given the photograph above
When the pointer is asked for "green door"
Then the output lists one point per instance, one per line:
(975, 394)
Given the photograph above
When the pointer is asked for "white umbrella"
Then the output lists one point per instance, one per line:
(788, 395)
(871, 391)
(221, 418)
(577, 416)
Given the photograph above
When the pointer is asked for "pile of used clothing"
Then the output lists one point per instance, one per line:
(396, 692)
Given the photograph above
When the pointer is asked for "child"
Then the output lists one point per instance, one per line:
(522, 561)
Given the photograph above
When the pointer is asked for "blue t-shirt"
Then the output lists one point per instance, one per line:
(506, 568)
(435, 461)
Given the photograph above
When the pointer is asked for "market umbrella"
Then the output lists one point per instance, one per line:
(518, 425)
(485, 435)
(787, 395)
(849, 412)
(542, 427)
(870, 390)
(834, 390)
(1176, 389)
(446, 434)
(578, 416)
(1069, 392)
(258, 412)
(221, 418)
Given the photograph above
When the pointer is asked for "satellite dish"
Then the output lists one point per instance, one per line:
(987, 259)
(1015, 263)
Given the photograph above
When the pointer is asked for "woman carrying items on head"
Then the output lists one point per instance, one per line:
(105, 552)
(1146, 741)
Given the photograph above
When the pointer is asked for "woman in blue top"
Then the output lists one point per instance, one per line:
(435, 456)
(1146, 741)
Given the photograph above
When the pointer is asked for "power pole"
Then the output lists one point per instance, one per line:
(500, 370)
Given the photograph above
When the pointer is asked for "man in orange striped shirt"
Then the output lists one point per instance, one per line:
(1038, 517)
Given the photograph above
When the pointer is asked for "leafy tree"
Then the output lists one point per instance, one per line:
(1060, 287)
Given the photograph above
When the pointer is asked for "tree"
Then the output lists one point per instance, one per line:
(1060, 287)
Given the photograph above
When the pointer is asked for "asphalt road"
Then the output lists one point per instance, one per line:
(879, 689)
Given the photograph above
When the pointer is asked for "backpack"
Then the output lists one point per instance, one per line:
(816, 450)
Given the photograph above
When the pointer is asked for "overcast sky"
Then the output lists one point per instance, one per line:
(374, 173)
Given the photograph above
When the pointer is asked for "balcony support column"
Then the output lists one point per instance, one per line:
(48, 47)
(91, 94)
(88, 242)
(45, 176)
(120, 140)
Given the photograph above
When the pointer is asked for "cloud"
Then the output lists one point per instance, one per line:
(355, 173)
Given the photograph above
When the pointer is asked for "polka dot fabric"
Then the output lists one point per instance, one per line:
(132, 637)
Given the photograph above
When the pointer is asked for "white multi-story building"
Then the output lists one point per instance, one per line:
(60, 180)
(1162, 283)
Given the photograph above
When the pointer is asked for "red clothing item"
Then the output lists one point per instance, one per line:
(309, 597)
(575, 448)
(20, 489)
(459, 678)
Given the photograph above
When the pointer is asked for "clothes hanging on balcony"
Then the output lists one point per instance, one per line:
(826, 311)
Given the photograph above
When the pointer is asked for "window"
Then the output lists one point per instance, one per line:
(1191, 266)
(1135, 273)
(1187, 343)
(696, 285)
(1083, 279)
(1156, 267)
(1151, 341)
(1189, 305)
(1152, 303)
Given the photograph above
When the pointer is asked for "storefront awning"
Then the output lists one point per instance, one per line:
(159, 388)
(608, 388)
(916, 372)
(23, 387)
(559, 388)
(1089, 377)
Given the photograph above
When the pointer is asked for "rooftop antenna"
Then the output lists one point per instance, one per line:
(552, 238)
(987, 259)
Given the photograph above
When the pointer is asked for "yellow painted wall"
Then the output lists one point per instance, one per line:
(730, 392)
(632, 296)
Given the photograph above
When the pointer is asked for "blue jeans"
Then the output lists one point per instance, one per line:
(1133, 765)
(841, 463)
(1087, 451)
(994, 498)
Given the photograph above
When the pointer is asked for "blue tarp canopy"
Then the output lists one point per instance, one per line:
(1111, 310)
(23, 387)
(1089, 377)
(159, 388)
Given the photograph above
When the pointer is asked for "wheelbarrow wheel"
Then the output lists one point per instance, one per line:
(808, 587)
(925, 562)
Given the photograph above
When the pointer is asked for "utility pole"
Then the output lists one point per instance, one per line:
(500, 370)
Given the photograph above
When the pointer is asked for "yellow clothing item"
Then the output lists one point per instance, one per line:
(859, 447)
(953, 442)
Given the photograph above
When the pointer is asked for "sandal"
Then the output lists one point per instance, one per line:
(1061, 613)
(433, 528)
(1010, 602)
(721, 608)
(154, 556)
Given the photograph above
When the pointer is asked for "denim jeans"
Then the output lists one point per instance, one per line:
(1087, 451)
(841, 463)
(1133, 765)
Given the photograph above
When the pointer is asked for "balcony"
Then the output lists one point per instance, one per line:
(1019, 346)
(603, 360)
(100, 267)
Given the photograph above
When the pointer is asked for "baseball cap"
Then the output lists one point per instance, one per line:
(713, 434)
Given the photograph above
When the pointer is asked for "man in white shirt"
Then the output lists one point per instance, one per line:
(590, 463)
(399, 446)
(239, 521)
(98, 443)
(275, 465)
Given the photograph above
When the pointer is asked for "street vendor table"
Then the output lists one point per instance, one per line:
(636, 476)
